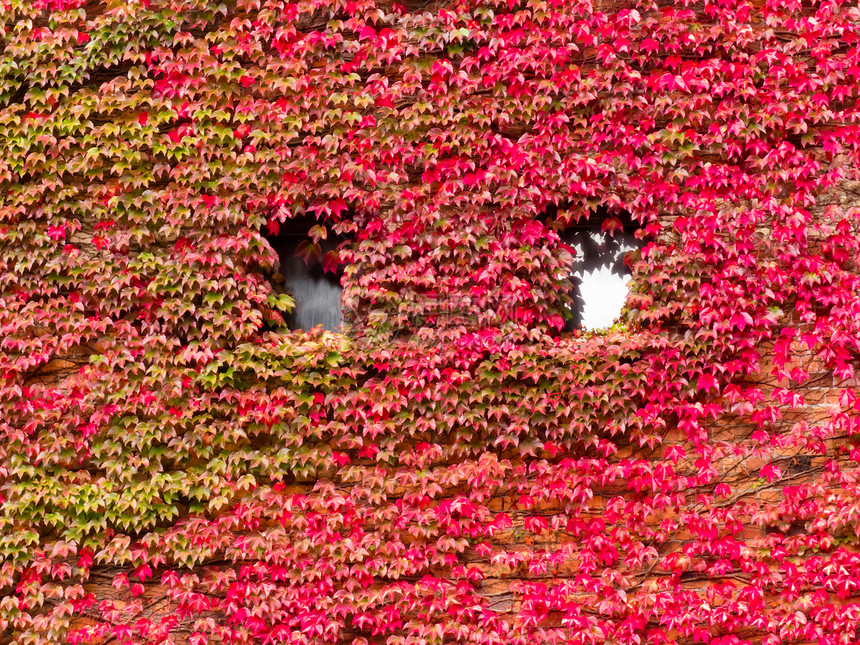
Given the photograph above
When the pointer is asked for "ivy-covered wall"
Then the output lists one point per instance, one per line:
(178, 467)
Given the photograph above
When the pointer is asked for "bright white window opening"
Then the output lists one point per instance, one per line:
(599, 274)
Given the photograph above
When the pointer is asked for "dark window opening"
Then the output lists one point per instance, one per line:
(307, 272)
(599, 273)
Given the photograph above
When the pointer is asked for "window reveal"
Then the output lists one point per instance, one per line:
(300, 272)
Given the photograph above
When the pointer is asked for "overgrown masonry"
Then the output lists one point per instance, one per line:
(177, 467)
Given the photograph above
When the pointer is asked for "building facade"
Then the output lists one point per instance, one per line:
(453, 462)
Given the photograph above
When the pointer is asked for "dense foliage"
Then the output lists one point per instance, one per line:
(175, 466)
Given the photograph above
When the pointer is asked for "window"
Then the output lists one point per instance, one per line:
(300, 273)
(599, 274)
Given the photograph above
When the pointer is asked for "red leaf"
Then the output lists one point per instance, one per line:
(342, 459)
(770, 472)
(309, 251)
(536, 524)
(611, 225)
(330, 262)
(551, 448)
(86, 558)
(674, 453)
(57, 232)
(707, 382)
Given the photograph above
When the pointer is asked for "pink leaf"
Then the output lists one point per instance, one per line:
(771, 472)
(57, 232)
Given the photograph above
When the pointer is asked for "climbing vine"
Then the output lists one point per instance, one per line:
(176, 466)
